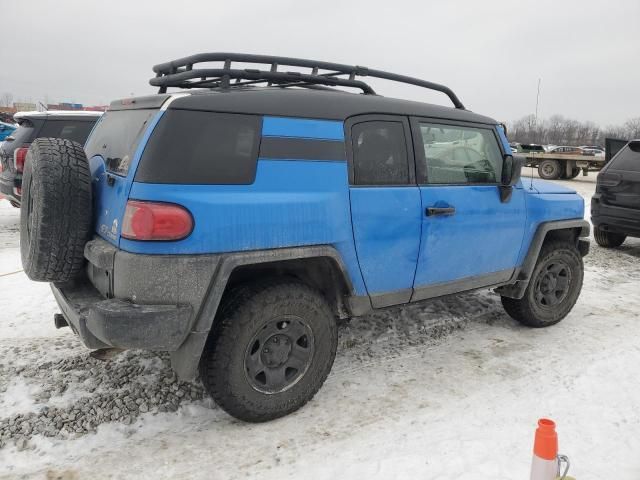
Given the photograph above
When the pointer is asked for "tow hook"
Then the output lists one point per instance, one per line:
(59, 320)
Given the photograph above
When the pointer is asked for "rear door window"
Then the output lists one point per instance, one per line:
(116, 138)
(628, 159)
(194, 147)
(380, 153)
(74, 130)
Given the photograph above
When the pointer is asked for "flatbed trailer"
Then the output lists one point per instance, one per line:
(552, 166)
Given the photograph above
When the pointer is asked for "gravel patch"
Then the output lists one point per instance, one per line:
(76, 394)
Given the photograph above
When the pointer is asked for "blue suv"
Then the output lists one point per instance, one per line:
(233, 222)
(6, 129)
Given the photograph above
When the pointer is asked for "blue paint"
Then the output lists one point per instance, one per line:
(290, 204)
(110, 201)
(503, 138)
(547, 207)
(386, 230)
(382, 234)
(6, 129)
(543, 186)
(302, 128)
(482, 237)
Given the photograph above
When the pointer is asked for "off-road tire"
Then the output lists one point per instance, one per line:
(14, 204)
(528, 310)
(549, 169)
(243, 313)
(55, 218)
(608, 239)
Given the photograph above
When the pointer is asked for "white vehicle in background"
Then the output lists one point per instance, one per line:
(595, 149)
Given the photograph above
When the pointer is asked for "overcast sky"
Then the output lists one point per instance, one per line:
(491, 53)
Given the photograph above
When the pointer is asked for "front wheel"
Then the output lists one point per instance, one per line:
(553, 288)
(271, 350)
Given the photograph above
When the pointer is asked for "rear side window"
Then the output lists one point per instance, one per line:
(628, 158)
(73, 130)
(380, 153)
(193, 147)
(116, 138)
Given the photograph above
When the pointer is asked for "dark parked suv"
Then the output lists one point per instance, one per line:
(615, 207)
(70, 125)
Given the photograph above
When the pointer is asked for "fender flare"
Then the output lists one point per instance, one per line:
(186, 358)
(523, 273)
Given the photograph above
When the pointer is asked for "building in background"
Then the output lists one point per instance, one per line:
(24, 106)
(76, 106)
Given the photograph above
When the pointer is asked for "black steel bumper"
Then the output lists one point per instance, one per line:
(102, 322)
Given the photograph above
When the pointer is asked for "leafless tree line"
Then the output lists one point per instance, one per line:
(559, 130)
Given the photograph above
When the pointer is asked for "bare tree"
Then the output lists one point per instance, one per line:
(6, 100)
(632, 127)
(559, 130)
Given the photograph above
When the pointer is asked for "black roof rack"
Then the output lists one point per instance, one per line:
(182, 74)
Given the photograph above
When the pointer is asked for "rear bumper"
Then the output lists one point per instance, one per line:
(615, 219)
(135, 301)
(101, 322)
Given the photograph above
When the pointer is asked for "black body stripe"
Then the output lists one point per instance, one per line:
(302, 149)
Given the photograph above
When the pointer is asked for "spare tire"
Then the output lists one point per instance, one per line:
(55, 216)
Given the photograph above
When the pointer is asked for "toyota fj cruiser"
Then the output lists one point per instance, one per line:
(231, 223)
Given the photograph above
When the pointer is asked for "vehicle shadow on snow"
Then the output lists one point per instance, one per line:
(72, 396)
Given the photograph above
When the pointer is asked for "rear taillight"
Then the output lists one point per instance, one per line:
(19, 157)
(156, 221)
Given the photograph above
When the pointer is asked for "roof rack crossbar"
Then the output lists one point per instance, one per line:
(219, 77)
(181, 73)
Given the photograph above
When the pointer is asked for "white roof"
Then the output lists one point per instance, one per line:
(54, 113)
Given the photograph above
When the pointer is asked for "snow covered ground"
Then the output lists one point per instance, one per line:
(443, 389)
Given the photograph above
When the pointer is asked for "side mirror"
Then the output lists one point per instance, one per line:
(511, 170)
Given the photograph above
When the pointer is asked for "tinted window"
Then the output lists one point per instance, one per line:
(192, 147)
(23, 134)
(459, 155)
(379, 153)
(628, 158)
(116, 137)
(74, 130)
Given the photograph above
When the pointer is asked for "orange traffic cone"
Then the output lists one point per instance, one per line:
(545, 451)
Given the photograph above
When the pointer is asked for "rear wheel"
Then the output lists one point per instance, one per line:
(271, 349)
(14, 204)
(549, 169)
(608, 239)
(553, 289)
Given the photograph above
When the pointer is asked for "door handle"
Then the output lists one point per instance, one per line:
(433, 211)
